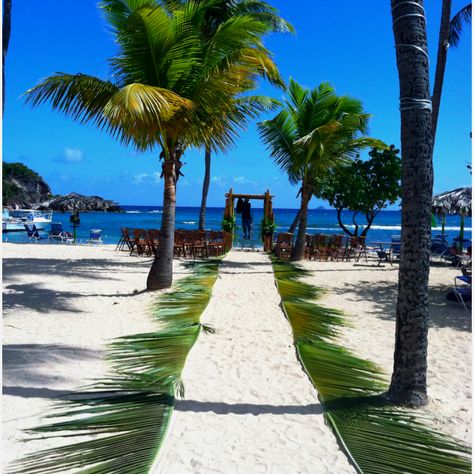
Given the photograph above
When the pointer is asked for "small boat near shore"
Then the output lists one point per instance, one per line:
(14, 220)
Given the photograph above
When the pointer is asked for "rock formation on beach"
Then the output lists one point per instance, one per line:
(78, 202)
(22, 187)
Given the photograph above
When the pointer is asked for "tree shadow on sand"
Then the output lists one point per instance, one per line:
(26, 372)
(383, 297)
(221, 408)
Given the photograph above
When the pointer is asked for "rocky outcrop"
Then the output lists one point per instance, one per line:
(78, 202)
(22, 187)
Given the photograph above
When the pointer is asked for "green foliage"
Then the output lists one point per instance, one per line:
(315, 130)
(267, 226)
(363, 186)
(10, 191)
(19, 170)
(128, 413)
(377, 436)
(180, 76)
(228, 223)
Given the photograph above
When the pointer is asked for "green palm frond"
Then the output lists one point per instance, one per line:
(78, 96)
(128, 430)
(377, 436)
(127, 414)
(315, 131)
(463, 16)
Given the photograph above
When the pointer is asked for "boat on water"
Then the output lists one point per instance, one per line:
(14, 220)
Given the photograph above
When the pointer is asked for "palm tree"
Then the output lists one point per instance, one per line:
(449, 35)
(172, 89)
(315, 130)
(220, 12)
(408, 384)
(7, 22)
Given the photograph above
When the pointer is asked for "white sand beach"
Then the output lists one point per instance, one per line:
(367, 295)
(61, 305)
(248, 406)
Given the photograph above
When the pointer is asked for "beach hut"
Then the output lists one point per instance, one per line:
(457, 201)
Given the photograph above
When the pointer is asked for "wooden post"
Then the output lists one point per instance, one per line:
(267, 215)
(228, 212)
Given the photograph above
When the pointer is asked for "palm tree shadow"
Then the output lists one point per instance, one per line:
(26, 367)
(221, 408)
(383, 298)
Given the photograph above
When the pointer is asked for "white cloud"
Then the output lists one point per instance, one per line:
(73, 155)
(219, 180)
(146, 177)
(242, 180)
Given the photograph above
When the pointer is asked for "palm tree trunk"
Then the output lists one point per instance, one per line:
(292, 228)
(298, 250)
(205, 188)
(7, 19)
(443, 45)
(408, 384)
(161, 272)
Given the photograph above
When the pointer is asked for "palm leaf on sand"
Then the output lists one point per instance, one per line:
(377, 436)
(119, 424)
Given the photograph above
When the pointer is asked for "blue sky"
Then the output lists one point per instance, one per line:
(349, 44)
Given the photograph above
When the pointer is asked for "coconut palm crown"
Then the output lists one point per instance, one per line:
(171, 88)
(315, 130)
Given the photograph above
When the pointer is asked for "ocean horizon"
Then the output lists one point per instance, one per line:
(386, 224)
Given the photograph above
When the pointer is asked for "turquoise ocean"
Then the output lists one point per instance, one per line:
(324, 221)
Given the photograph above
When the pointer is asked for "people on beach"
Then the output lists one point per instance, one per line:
(246, 218)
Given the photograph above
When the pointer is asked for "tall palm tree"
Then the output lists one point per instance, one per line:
(408, 384)
(7, 26)
(315, 130)
(220, 12)
(172, 89)
(449, 35)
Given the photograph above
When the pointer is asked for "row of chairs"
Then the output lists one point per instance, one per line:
(323, 247)
(187, 243)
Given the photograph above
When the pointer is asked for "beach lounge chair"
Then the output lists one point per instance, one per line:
(56, 231)
(32, 232)
(440, 250)
(463, 289)
(95, 236)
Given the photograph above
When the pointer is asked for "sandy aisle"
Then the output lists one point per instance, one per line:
(248, 408)
(61, 304)
(367, 295)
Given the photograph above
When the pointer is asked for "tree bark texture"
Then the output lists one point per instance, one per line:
(408, 384)
(443, 45)
(298, 250)
(161, 272)
(7, 21)
(295, 222)
(205, 188)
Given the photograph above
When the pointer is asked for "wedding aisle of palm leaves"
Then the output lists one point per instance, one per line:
(124, 418)
(376, 435)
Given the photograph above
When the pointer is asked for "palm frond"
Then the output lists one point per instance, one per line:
(78, 96)
(127, 414)
(462, 17)
(376, 435)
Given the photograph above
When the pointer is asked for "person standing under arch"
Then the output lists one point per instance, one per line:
(246, 218)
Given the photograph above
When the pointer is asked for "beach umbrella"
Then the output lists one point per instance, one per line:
(457, 201)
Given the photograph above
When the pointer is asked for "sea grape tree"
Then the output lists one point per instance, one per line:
(362, 187)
